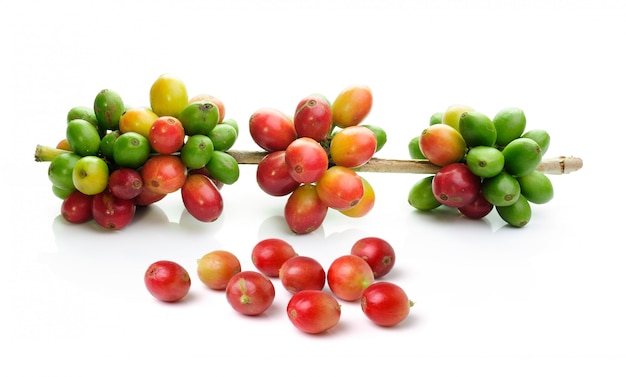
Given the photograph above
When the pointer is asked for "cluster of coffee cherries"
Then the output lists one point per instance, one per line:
(116, 157)
(312, 155)
(485, 163)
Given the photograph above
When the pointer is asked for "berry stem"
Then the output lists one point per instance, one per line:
(45, 153)
(554, 165)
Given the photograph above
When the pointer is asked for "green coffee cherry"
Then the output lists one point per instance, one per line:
(233, 123)
(197, 151)
(106, 144)
(485, 162)
(199, 117)
(517, 214)
(414, 149)
(108, 107)
(536, 187)
(60, 170)
(131, 150)
(421, 195)
(436, 118)
(501, 190)
(86, 113)
(223, 136)
(477, 129)
(223, 167)
(83, 137)
(541, 137)
(510, 124)
(521, 156)
(381, 135)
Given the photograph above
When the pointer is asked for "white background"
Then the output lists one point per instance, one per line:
(544, 300)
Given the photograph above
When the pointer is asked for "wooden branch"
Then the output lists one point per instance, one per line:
(555, 165)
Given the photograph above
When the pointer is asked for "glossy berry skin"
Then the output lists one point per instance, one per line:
(306, 160)
(302, 273)
(217, 267)
(313, 117)
(377, 252)
(385, 303)
(455, 185)
(442, 144)
(477, 209)
(421, 196)
(61, 168)
(111, 212)
(125, 183)
(340, 188)
(131, 150)
(137, 119)
(250, 292)
(164, 174)
(313, 311)
(348, 276)
(205, 172)
(269, 254)
(90, 175)
(273, 177)
(365, 205)
(204, 97)
(353, 146)
(272, 129)
(76, 207)
(168, 95)
(167, 281)
(147, 197)
(352, 105)
(166, 135)
(202, 198)
(304, 211)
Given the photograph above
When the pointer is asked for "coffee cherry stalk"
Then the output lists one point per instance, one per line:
(115, 158)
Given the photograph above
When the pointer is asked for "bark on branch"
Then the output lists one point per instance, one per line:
(553, 165)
